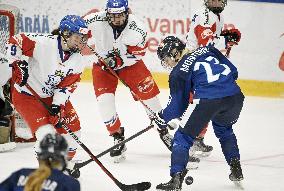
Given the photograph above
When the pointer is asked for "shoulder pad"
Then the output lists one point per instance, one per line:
(136, 31)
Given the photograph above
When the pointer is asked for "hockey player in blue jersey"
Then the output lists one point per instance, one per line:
(212, 78)
(49, 176)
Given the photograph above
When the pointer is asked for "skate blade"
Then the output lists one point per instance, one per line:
(192, 166)
(200, 154)
(178, 189)
(239, 185)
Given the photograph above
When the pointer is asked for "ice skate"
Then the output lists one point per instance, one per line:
(175, 184)
(199, 149)
(193, 163)
(236, 173)
(118, 153)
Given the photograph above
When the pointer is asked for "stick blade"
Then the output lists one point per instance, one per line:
(136, 187)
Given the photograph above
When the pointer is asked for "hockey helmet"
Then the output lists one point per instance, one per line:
(53, 147)
(167, 47)
(117, 6)
(215, 9)
(117, 13)
(73, 24)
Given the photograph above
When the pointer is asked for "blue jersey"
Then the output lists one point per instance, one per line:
(57, 181)
(207, 73)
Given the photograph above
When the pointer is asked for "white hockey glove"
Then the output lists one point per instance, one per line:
(161, 122)
(174, 123)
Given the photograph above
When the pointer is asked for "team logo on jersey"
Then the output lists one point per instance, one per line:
(207, 33)
(146, 85)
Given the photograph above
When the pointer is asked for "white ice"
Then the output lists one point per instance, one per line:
(259, 131)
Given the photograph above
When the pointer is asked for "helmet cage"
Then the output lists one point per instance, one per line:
(71, 24)
(166, 50)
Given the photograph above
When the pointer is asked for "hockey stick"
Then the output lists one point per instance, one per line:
(227, 54)
(124, 187)
(75, 171)
(152, 114)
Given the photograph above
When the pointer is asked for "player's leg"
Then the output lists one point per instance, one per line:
(35, 115)
(105, 86)
(199, 148)
(72, 121)
(141, 82)
(222, 124)
(190, 127)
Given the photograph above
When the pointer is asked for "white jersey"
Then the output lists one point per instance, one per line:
(49, 73)
(131, 44)
(205, 29)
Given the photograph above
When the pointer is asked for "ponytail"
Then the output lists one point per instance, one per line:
(35, 180)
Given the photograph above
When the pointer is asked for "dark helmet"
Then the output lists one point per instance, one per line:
(53, 148)
(216, 10)
(167, 45)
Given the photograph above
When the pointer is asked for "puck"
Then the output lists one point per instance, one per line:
(189, 180)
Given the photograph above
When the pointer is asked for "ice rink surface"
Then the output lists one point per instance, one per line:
(260, 132)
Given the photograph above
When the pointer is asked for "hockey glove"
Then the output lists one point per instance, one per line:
(20, 72)
(161, 122)
(57, 115)
(113, 60)
(163, 131)
(232, 37)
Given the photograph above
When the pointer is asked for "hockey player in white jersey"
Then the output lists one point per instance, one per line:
(207, 29)
(51, 64)
(120, 39)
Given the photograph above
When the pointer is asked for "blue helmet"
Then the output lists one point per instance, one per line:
(74, 24)
(116, 6)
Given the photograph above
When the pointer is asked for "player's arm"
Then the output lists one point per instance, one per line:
(61, 95)
(136, 47)
(91, 18)
(178, 100)
(20, 47)
(191, 37)
(65, 88)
